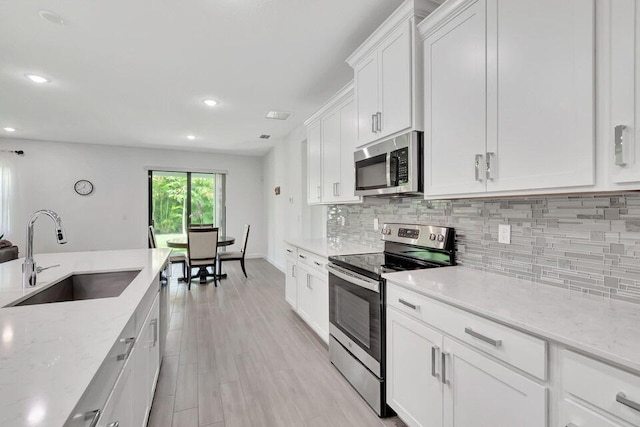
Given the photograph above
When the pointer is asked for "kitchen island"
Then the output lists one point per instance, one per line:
(50, 353)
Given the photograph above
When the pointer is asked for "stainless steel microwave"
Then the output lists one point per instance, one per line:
(390, 167)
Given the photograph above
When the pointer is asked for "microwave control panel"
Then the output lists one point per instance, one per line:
(402, 156)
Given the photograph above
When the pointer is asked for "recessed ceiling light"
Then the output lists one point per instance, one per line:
(191, 137)
(36, 78)
(10, 129)
(210, 102)
(51, 17)
(277, 115)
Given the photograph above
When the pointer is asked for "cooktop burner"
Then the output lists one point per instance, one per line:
(374, 265)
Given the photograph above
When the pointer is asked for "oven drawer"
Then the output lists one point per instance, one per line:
(603, 386)
(509, 345)
(316, 262)
(290, 251)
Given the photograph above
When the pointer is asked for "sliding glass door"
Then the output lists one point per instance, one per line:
(179, 199)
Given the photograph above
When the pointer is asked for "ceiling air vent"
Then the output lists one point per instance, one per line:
(263, 136)
(277, 115)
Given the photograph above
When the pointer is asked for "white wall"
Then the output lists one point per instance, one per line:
(115, 216)
(288, 214)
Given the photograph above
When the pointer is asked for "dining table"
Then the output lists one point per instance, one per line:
(182, 243)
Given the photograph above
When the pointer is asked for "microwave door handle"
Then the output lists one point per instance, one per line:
(393, 171)
(388, 169)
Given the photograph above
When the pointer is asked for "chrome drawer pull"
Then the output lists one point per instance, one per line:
(317, 263)
(408, 304)
(128, 341)
(290, 251)
(94, 416)
(495, 343)
(434, 350)
(114, 424)
(571, 425)
(302, 256)
(622, 398)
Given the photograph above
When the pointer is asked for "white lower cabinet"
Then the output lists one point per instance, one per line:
(433, 380)
(413, 390)
(291, 285)
(118, 412)
(573, 414)
(313, 299)
(482, 392)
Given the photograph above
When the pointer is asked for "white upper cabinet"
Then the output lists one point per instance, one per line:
(509, 96)
(387, 76)
(622, 138)
(331, 138)
(455, 103)
(314, 162)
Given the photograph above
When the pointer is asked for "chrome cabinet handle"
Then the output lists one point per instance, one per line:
(571, 425)
(319, 192)
(618, 144)
(302, 256)
(408, 304)
(478, 164)
(373, 123)
(293, 270)
(489, 171)
(317, 263)
(94, 416)
(290, 251)
(338, 189)
(434, 350)
(495, 343)
(129, 342)
(114, 424)
(308, 281)
(444, 368)
(622, 398)
(379, 121)
(154, 323)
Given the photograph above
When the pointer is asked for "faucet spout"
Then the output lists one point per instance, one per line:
(29, 268)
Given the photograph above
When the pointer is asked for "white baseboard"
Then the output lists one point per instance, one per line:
(273, 262)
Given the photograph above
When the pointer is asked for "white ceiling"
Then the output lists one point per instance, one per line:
(135, 72)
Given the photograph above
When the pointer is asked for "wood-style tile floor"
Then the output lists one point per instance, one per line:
(238, 356)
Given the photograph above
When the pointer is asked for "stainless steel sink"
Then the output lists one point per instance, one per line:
(81, 287)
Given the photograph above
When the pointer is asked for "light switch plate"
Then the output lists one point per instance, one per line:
(504, 234)
(375, 224)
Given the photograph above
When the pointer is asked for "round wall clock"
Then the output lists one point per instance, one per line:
(83, 187)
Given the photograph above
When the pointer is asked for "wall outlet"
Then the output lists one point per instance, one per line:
(375, 224)
(504, 234)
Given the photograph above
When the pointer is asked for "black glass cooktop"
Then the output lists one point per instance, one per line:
(373, 265)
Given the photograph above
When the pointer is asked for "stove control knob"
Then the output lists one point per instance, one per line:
(432, 236)
(440, 238)
(386, 231)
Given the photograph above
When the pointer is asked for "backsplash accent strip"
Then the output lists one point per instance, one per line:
(584, 243)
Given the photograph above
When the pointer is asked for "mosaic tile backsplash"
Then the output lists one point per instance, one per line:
(587, 243)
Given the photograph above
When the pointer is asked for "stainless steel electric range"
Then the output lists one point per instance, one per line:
(357, 297)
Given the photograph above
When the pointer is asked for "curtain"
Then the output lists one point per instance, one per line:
(6, 187)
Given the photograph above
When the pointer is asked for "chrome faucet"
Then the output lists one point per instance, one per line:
(29, 268)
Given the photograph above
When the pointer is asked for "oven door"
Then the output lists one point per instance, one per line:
(355, 315)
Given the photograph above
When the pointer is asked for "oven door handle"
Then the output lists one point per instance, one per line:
(363, 282)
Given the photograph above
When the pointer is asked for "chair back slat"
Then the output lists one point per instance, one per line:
(245, 238)
(202, 243)
(153, 243)
(200, 226)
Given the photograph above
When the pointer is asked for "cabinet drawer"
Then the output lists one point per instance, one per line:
(603, 386)
(513, 347)
(290, 251)
(315, 262)
(573, 414)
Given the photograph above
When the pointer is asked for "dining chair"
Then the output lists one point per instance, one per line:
(202, 244)
(237, 256)
(174, 258)
(197, 226)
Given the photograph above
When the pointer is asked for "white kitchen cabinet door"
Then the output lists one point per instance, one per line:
(305, 299)
(291, 285)
(455, 104)
(331, 154)
(319, 290)
(414, 388)
(348, 134)
(574, 414)
(482, 392)
(623, 138)
(395, 93)
(540, 86)
(153, 353)
(139, 361)
(119, 407)
(366, 81)
(314, 163)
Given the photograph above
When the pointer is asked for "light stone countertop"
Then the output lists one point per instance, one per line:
(49, 353)
(606, 329)
(326, 248)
